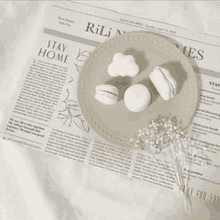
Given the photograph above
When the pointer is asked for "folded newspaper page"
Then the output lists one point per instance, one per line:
(45, 114)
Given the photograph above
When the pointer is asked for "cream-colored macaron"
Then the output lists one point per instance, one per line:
(137, 97)
(106, 94)
(164, 82)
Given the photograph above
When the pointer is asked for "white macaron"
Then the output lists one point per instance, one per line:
(106, 94)
(164, 82)
(137, 97)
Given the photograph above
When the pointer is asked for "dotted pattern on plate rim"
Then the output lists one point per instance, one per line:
(113, 43)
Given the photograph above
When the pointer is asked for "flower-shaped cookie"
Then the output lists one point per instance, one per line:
(123, 65)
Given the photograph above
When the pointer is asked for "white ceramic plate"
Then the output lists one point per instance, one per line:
(115, 123)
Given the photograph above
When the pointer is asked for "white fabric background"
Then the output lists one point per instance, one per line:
(38, 186)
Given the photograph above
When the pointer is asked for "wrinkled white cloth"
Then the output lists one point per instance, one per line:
(34, 185)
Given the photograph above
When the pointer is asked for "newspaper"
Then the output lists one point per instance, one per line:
(45, 114)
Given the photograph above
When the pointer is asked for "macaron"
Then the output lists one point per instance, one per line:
(106, 94)
(164, 82)
(137, 97)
